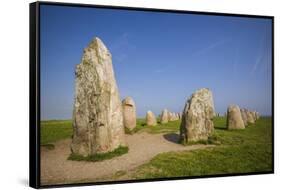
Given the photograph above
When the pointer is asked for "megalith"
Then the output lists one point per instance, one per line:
(129, 113)
(244, 116)
(97, 114)
(164, 117)
(234, 118)
(197, 118)
(250, 118)
(150, 119)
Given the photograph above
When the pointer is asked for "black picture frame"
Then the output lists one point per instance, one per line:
(34, 91)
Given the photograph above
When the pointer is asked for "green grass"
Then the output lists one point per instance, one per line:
(241, 151)
(172, 126)
(54, 130)
(238, 151)
(220, 122)
(101, 156)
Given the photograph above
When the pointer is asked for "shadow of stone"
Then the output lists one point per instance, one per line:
(221, 128)
(172, 137)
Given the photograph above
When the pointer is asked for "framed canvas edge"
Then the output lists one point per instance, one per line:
(34, 96)
(34, 92)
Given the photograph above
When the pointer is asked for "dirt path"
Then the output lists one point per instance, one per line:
(56, 169)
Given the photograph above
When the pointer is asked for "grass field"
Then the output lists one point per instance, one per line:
(54, 130)
(239, 151)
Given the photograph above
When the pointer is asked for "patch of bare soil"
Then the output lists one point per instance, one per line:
(56, 169)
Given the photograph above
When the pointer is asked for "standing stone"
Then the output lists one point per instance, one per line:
(234, 118)
(150, 119)
(174, 116)
(197, 118)
(179, 115)
(129, 113)
(244, 116)
(97, 115)
(253, 115)
(164, 117)
(170, 116)
(256, 117)
(250, 118)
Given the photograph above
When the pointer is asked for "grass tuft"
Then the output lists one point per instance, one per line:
(100, 156)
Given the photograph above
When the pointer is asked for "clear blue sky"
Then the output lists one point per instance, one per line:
(159, 59)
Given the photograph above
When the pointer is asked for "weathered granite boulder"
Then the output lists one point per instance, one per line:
(244, 116)
(97, 115)
(150, 119)
(129, 113)
(197, 118)
(250, 118)
(234, 118)
(164, 118)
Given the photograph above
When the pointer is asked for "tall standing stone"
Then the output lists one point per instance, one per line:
(179, 115)
(129, 113)
(197, 118)
(170, 116)
(175, 116)
(244, 116)
(250, 118)
(234, 118)
(164, 116)
(258, 115)
(255, 115)
(97, 115)
(150, 119)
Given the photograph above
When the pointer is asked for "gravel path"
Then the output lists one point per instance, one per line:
(56, 169)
